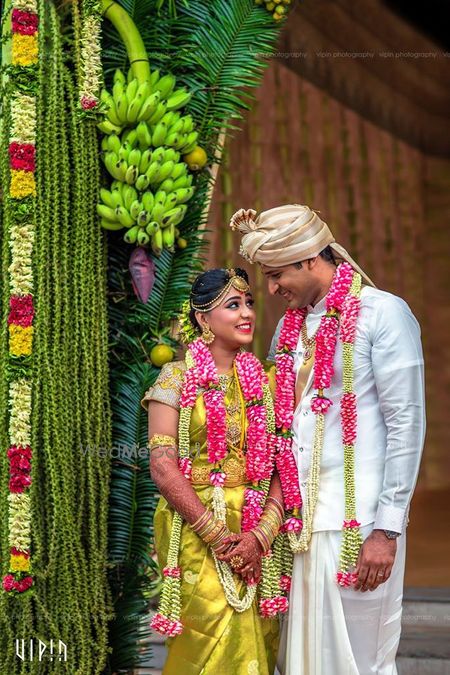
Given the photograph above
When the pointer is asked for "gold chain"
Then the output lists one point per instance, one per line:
(308, 342)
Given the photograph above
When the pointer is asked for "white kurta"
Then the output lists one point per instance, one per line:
(389, 384)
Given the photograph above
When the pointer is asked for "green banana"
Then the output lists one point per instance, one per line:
(157, 213)
(142, 182)
(181, 141)
(179, 218)
(154, 77)
(188, 124)
(160, 197)
(179, 99)
(113, 142)
(143, 136)
(121, 168)
(135, 209)
(171, 201)
(159, 134)
(111, 165)
(168, 118)
(131, 175)
(117, 185)
(124, 151)
(145, 161)
(130, 235)
(166, 185)
(143, 218)
(191, 142)
(151, 228)
(159, 155)
(131, 89)
(107, 198)
(172, 139)
(119, 77)
(111, 112)
(158, 113)
(153, 171)
(104, 144)
(180, 169)
(176, 127)
(149, 107)
(183, 181)
(157, 243)
(107, 127)
(148, 201)
(129, 195)
(107, 213)
(130, 75)
(166, 85)
(172, 154)
(184, 194)
(122, 107)
(124, 217)
(108, 225)
(134, 109)
(134, 157)
(144, 90)
(142, 238)
(116, 198)
(165, 170)
(169, 237)
(118, 89)
(170, 216)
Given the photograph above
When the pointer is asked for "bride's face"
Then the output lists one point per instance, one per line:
(233, 321)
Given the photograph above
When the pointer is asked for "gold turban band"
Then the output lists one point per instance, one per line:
(286, 235)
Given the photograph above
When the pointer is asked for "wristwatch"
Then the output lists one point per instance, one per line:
(390, 534)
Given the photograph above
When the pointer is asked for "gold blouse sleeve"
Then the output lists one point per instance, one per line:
(168, 387)
(271, 374)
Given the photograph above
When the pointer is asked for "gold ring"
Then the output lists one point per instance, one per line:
(380, 574)
(236, 562)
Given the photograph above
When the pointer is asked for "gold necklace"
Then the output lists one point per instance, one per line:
(308, 343)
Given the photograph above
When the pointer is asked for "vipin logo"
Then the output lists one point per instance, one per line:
(38, 650)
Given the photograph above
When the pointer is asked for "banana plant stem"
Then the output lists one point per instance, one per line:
(131, 37)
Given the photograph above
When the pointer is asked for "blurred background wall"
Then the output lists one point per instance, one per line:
(353, 120)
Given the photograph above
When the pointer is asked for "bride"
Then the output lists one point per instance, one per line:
(212, 441)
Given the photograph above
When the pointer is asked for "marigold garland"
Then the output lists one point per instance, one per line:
(22, 188)
(339, 322)
(201, 374)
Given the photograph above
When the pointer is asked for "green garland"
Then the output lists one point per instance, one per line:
(71, 409)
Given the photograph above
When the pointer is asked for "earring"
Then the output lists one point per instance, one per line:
(207, 335)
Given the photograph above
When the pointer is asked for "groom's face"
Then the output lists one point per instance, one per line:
(294, 283)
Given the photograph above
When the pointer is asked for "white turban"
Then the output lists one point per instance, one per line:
(286, 235)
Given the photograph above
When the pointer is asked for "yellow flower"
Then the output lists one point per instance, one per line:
(18, 563)
(24, 49)
(22, 184)
(20, 339)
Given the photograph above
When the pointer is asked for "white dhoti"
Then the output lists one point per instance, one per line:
(339, 631)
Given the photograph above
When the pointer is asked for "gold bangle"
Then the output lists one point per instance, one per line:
(158, 440)
(202, 520)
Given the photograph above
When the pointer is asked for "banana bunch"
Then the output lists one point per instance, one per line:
(154, 102)
(278, 8)
(145, 137)
(150, 218)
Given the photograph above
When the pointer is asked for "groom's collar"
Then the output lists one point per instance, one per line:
(319, 307)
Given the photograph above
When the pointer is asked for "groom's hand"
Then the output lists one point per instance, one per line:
(375, 561)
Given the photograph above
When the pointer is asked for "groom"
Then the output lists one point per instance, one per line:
(351, 627)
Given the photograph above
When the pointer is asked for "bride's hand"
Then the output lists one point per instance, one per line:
(249, 549)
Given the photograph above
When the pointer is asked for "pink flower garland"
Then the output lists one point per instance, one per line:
(284, 414)
(339, 301)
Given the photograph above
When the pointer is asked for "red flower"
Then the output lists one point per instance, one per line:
(24, 22)
(22, 310)
(8, 582)
(22, 156)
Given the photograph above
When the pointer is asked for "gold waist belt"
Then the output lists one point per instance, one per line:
(234, 470)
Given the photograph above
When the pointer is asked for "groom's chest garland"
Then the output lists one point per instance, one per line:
(338, 323)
